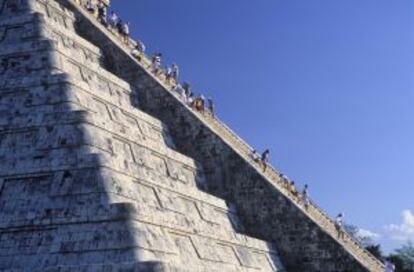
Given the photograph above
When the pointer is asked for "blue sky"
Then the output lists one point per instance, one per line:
(326, 85)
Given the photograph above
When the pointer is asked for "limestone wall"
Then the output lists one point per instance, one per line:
(89, 182)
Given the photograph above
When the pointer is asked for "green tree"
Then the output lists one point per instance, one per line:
(406, 255)
(375, 250)
(398, 262)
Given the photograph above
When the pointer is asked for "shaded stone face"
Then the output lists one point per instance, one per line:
(103, 169)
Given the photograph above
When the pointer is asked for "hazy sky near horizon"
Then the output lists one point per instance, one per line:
(326, 85)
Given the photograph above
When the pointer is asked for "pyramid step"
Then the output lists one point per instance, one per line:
(25, 27)
(149, 266)
(121, 267)
(55, 12)
(73, 46)
(103, 236)
(82, 63)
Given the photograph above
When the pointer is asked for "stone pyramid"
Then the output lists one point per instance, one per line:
(104, 168)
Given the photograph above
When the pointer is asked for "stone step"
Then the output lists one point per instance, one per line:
(31, 133)
(150, 266)
(20, 28)
(49, 89)
(22, 214)
(84, 239)
(32, 26)
(107, 117)
(73, 46)
(22, 60)
(121, 267)
(167, 193)
(14, 8)
(55, 13)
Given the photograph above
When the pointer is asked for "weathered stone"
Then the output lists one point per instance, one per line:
(102, 168)
(88, 181)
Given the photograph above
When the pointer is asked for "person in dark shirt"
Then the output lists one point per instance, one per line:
(265, 159)
(211, 106)
(119, 27)
(175, 72)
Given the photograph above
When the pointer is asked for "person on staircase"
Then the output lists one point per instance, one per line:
(285, 180)
(211, 106)
(305, 197)
(254, 156)
(168, 75)
(119, 26)
(138, 50)
(265, 159)
(187, 88)
(292, 189)
(113, 20)
(125, 33)
(339, 221)
(180, 90)
(156, 63)
(102, 13)
(175, 72)
(190, 100)
(202, 107)
(90, 6)
(198, 103)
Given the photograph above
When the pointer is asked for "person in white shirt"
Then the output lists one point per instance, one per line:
(175, 72)
(138, 50)
(90, 7)
(168, 75)
(125, 32)
(254, 156)
(305, 197)
(190, 100)
(339, 221)
(180, 90)
(113, 20)
(156, 63)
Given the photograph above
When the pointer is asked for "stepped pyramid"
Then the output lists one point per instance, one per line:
(104, 168)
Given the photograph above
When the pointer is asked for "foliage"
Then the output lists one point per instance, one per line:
(375, 250)
(406, 255)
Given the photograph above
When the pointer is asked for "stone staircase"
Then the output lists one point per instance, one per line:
(87, 181)
(243, 150)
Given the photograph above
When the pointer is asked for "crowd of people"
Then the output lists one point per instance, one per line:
(171, 73)
(197, 102)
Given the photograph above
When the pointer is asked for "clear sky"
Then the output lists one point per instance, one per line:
(327, 85)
